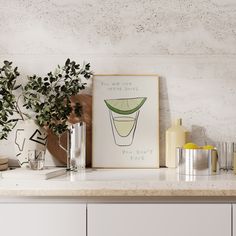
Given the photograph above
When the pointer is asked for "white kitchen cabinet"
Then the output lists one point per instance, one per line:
(40, 219)
(234, 220)
(159, 220)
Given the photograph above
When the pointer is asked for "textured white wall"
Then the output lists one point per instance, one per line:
(190, 44)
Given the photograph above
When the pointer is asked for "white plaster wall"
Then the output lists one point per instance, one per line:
(190, 44)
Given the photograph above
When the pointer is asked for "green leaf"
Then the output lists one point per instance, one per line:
(16, 87)
(52, 79)
(6, 63)
(67, 62)
(40, 80)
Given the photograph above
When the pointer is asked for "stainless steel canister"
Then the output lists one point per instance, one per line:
(197, 161)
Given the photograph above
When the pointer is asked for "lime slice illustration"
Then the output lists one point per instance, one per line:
(125, 106)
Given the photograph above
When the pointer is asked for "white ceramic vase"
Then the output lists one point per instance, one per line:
(28, 137)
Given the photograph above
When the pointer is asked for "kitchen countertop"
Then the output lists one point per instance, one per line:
(123, 183)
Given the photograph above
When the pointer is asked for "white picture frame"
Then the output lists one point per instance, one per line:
(125, 121)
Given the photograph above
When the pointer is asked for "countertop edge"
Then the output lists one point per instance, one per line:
(118, 193)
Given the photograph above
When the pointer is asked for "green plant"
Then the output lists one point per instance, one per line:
(8, 99)
(49, 97)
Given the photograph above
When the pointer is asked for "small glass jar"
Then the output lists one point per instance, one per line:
(36, 159)
(234, 162)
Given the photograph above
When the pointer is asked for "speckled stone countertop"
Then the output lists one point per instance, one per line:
(123, 183)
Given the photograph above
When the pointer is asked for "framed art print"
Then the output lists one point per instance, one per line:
(125, 121)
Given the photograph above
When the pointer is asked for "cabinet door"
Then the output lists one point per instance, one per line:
(159, 220)
(234, 219)
(42, 219)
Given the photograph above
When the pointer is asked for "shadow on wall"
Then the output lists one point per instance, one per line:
(198, 135)
(165, 116)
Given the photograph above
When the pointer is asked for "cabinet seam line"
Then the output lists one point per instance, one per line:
(86, 220)
(232, 220)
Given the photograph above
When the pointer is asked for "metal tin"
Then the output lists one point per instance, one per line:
(197, 161)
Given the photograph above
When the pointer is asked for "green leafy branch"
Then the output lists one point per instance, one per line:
(8, 102)
(49, 97)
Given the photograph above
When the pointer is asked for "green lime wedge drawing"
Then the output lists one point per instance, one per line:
(125, 106)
